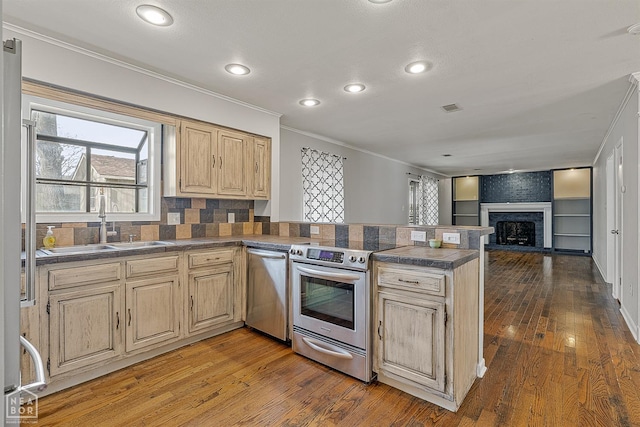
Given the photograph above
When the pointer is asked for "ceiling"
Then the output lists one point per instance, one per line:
(539, 82)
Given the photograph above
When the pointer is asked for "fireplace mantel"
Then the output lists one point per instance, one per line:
(544, 207)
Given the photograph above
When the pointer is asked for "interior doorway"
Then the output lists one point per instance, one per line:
(614, 200)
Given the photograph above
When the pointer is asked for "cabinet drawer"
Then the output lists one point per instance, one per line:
(205, 259)
(414, 280)
(142, 267)
(84, 275)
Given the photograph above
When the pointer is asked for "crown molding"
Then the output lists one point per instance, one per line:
(634, 81)
(135, 68)
(343, 144)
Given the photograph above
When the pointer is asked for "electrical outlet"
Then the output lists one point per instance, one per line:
(419, 236)
(314, 229)
(231, 217)
(451, 238)
(173, 218)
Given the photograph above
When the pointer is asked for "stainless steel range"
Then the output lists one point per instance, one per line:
(331, 304)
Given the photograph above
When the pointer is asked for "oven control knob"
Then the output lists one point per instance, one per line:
(352, 258)
(361, 260)
(292, 251)
(299, 252)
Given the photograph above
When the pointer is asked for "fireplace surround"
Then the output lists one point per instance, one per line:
(543, 207)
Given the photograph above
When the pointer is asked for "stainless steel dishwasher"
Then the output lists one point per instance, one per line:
(268, 292)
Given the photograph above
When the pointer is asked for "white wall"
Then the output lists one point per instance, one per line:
(376, 188)
(625, 128)
(61, 64)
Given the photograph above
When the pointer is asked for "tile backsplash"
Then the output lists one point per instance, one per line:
(198, 218)
(208, 218)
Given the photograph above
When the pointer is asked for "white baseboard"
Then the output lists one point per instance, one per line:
(632, 326)
(597, 262)
(481, 368)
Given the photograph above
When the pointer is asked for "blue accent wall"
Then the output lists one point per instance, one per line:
(516, 187)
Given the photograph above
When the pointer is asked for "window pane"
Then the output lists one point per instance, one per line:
(60, 161)
(112, 166)
(120, 200)
(87, 130)
(60, 198)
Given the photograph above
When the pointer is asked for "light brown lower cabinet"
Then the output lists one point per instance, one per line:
(153, 311)
(426, 330)
(100, 314)
(213, 285)
(85, 327)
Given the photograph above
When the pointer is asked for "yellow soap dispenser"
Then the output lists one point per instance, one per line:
(49, 240)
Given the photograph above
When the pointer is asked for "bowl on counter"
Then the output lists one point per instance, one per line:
(435, 243)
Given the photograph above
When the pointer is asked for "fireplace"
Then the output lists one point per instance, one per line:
(519, 212)
(521, 233)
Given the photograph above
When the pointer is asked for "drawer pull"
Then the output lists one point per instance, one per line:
(380, 326)
(117, 320)
(129, 317)
(415, 282)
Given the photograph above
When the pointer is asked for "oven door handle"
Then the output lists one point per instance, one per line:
(345, 278)
(325, 348)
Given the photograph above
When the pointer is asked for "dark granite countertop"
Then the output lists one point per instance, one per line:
(427, 257)
(412, 255)
(256, 241)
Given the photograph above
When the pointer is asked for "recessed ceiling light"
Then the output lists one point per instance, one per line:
(634, 30)
(379, 1)
(354, 87)
(309, 102)
(154, 15)
(237, 69)
(417, 67)
(446, 155)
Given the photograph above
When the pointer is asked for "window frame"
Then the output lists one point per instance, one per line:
(154, 131)
(414, 202)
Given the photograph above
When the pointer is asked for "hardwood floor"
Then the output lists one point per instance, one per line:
(557, 350)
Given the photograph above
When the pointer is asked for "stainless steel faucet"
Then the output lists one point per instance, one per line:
(103, 221)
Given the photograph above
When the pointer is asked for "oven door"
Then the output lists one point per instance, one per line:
(331, 302)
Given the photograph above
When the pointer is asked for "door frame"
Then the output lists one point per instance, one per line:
(610, 189)
(618, 219)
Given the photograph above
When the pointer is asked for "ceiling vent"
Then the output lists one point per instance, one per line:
(451, 108)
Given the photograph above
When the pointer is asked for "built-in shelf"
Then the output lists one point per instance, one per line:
(572, 210)
(466, 204)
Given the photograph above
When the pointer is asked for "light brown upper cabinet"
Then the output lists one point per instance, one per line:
(260, 168)
(198, 148)
(203, 160)
(232, 173)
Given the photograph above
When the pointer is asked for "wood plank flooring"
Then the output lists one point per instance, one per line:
(557, 350)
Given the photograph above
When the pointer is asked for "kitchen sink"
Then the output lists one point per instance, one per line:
(139, 244)
(83, 249)
(103, 247)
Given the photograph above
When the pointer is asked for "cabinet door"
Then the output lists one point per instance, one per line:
(84, 327)
(211, 297)
(153, 311)
(411, 334)
(198, 150)
(30, 329)
(232, 179)
(261, 168)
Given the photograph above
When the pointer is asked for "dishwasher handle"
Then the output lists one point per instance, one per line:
(267, 254)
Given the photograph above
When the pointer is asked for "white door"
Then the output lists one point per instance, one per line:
(610, 195)
(617, 229)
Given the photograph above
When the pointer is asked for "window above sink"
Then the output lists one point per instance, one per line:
(81, 151)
